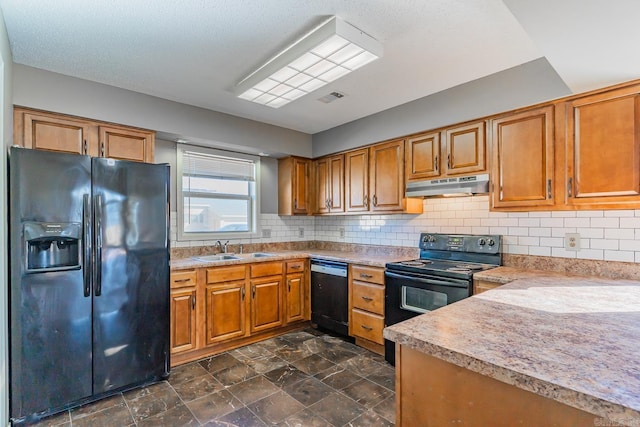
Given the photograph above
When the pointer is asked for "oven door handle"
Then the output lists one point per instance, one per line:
(458, 284)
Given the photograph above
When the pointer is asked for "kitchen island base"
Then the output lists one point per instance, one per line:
(432, 392)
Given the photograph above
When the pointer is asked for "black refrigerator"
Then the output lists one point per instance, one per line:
(89, 279)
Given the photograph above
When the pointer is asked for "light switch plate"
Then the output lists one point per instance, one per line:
(266, 232)
(341, 231)
(300, 232)
(572, 241)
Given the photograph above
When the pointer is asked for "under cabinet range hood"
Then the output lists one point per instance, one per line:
(458, 186)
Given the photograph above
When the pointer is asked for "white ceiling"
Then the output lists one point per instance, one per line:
(195, 51)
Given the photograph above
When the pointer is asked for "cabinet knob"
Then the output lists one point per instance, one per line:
(368, 299)
(375, 200)
(367, 328)
(435, 163)
(193, 302)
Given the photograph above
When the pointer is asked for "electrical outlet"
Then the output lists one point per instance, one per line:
(266, 232)
(572, 241)
(300, 232)
(341, 231)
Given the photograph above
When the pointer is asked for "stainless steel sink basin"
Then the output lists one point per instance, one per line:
(260, 255)
(218, 257)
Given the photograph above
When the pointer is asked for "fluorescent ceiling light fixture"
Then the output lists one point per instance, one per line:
(330, 51)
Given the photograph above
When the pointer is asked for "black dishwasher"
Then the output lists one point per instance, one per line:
(330, 295)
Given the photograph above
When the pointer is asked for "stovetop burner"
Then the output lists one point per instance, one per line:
(416, 263)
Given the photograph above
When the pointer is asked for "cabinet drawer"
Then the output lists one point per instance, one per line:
(180, 279)
(368, 274)
(368, 326)
(266, 269)
(226, 274)
(368, 297)
(295, 267)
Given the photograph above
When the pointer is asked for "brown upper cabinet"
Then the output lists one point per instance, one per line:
(293, 186)
(386, 176)
(356, 180)
(374, 180)
(465, 149)
(603, 150)
(422, 156)
(329, 184)
(523, 159)
(57, 132)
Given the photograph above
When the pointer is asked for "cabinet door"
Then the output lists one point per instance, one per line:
(183, 319)
(357, 180)
(266, 310)
(603, 149)
(522, 145)
(336, 184)
(422, 156)
(465, 149)
(53, 133)
(295, 297)
(322, 185)
(386, 176)
(300, 190)
(126, 144)
(226, 312)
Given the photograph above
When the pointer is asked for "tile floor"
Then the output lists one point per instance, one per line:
(304, 378)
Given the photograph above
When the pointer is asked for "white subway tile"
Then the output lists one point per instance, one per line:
(619, 233)
(563, 214)
(529, 241)
(629, 245)
(480, 230)
(540, 214)
(518, 231)
(605, 222)
(499, 230)
(562, 253)
(551, 222)
(560, 232)
(604, 244)
(619, 213)
(508, 222)
(625, 256)
(518, 249)
(529, 222)
(490, 222)
(510, 240)
(630, 222)
(577, 222)
(540, 231)
(591, 254)
(518, 214)
(591, 233)
(553, 242)
(471, 222)
(539, 250)
(590, 214)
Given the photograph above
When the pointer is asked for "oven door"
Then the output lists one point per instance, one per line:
(408, 295)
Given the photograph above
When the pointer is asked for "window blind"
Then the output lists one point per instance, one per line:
(219, 167)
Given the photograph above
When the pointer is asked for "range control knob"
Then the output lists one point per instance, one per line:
(481, 242)
(431, 239)
(491, 242)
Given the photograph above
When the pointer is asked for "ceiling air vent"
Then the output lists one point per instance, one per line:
(331, 97)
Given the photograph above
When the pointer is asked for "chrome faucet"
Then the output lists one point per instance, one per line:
(223, 247)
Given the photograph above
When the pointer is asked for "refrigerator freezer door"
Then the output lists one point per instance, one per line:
(131, 288)
(50, 317)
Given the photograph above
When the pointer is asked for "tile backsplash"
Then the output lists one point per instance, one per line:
(612, 235)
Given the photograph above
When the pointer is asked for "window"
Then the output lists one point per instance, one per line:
(217, 194)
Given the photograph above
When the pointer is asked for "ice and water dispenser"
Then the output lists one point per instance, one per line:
(52, 246)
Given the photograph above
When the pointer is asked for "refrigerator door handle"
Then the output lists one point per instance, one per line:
(87, 243)
(97, 266)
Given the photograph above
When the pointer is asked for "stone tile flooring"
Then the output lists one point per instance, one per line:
(304, 378)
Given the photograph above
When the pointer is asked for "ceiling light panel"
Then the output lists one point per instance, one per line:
(330, 51)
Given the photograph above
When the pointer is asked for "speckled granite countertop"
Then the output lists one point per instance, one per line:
(350, 257)
(509, 274)
(574, 340)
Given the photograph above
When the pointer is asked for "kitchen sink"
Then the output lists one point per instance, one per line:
(260, 255)
(218, 257)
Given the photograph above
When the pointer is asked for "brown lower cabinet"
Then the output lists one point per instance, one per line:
(366, 306)
(214, 309)
(432, 392)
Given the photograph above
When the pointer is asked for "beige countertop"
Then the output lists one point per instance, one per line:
(349, 257)
(572, 339)
(509, 274)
